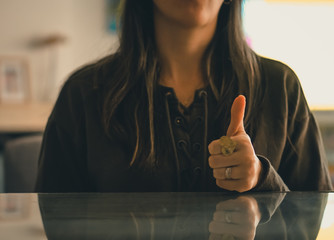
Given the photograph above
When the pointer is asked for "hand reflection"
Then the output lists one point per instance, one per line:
(235, 219)
(182, 216)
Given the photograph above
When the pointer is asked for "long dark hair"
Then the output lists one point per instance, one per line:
(229, 66)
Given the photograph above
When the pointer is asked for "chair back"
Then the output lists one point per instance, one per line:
(20, 163)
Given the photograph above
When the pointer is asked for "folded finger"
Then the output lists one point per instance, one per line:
(220, 161)
(223, 174)
(215, 147)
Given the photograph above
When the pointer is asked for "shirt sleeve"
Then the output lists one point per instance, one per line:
(301, 163)
(304, 164)
(270, 180)
(62, 162)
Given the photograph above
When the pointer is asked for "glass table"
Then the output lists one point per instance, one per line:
(295, 215)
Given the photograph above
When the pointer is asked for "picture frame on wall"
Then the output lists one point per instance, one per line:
(14, 80)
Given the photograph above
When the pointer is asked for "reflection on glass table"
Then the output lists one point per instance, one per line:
(20, 217)
(166, 216)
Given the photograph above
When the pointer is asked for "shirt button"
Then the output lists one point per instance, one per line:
(180, 143)
(197, 170)
(178, 121)
(197, 147)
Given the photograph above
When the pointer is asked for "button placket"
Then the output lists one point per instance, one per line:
(188, 135)
(180, 143)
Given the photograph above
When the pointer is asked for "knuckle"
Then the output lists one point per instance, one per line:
(215, 174)
(210, 148)
(212, 161)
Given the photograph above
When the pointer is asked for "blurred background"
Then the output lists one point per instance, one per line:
(43, 41)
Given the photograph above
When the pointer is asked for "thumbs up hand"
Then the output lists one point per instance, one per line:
(239, 171)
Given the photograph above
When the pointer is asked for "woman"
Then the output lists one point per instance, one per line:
(149, 117)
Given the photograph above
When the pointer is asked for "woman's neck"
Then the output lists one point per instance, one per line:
(181, 51)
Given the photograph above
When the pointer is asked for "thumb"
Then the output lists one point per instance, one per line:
(237, 116)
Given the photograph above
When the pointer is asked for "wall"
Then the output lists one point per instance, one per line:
(300, 34)
(82, 22)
